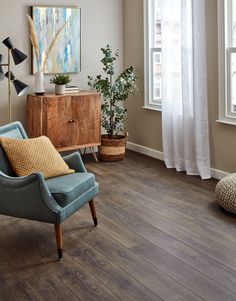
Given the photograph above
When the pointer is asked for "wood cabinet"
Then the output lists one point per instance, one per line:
(71, 121)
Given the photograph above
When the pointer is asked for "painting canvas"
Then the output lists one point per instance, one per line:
(64, 24)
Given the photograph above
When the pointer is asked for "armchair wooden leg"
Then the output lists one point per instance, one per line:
(93, 212)
(58, 232)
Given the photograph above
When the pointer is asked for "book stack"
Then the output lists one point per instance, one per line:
(71, 89)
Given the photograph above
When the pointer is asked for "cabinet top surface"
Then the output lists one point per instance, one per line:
(80, 93)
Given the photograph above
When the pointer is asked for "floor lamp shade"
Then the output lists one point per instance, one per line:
(8, 42)
(2, 75)
(20, 87)
(10, 75)
(17, 55)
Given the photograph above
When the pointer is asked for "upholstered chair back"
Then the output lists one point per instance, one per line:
(11, 130)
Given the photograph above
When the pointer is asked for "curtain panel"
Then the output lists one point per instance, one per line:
(184, 88)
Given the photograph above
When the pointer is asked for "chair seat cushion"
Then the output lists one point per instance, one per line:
(67, 188)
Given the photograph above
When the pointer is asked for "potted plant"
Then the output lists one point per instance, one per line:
(114, 114)
(60, 81)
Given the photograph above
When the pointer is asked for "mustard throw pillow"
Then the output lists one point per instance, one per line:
(34, 155)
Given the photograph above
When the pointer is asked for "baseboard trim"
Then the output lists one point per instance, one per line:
(145, 151)
(215, 173)
(218, 174)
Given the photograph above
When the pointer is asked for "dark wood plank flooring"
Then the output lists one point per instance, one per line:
(161, 236)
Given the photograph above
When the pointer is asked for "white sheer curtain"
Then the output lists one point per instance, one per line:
(184, 90)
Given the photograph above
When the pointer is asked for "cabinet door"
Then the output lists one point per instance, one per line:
(57, 121)
(86, 110)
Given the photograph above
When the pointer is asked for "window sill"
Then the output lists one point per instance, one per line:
(226, 122)
(156, 108)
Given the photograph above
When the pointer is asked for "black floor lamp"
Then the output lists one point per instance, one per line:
(18, 57)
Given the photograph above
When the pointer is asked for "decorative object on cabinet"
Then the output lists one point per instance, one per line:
(71, 89)
(114, 114)
(39, 88)
(71, 121)
(18, 57)
(39, 75)
(60, 27)
(60, 81)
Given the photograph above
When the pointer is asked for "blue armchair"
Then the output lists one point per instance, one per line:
(51, 201)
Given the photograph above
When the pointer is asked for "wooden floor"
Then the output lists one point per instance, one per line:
(160, 236)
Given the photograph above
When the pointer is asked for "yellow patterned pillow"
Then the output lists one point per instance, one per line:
(34, 155)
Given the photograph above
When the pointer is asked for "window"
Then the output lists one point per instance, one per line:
(157, 58)
(157, 88)
(152, 53)
(227, 60)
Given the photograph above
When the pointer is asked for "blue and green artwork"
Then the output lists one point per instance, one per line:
(58, 33)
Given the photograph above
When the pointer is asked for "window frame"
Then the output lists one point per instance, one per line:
(149, 102)
(224, 66)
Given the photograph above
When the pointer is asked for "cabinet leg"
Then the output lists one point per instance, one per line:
(94, 154)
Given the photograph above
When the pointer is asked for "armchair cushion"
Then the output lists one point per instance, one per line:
(34, 155)
(66, 189)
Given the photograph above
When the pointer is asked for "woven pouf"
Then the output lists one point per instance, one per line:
(226, 193)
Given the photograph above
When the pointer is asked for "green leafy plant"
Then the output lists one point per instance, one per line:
(114, 92)
(60, 79)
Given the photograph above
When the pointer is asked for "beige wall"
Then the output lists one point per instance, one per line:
(96, 33)
(144, 126)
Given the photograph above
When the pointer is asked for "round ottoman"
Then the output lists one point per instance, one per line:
(226, 193)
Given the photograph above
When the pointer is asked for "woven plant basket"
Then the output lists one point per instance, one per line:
(112, 149)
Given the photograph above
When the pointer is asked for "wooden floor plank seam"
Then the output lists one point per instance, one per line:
(162, 271)
(193, 266)
(161, 236)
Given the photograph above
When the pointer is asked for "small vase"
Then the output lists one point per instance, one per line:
(39, 83)
(60, 89)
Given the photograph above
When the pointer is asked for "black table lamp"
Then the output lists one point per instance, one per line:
(18, 57)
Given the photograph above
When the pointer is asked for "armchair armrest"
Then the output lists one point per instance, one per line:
(75, 162)
(28, 197)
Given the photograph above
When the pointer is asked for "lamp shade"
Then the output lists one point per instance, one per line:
(10, 75)
(8, 42)
(2, 75)
(17, 55)
(20, 87)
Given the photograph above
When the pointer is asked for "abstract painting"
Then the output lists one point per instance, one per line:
(59, 37)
